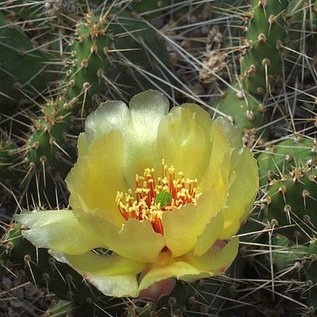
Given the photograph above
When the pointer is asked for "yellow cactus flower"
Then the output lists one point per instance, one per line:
(164, 191)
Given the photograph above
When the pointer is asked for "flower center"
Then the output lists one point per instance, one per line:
(155, 195)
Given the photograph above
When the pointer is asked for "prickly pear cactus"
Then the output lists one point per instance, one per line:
(247, 113)
(286, 253)
(310, 269)
(10, 172)
(24, 70)
(292, 202)
(48, 136)
(85, 78)
(298, 262)
(261, 64)
(89, 63)
(281, 158)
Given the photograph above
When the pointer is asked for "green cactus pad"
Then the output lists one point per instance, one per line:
(310, 271)
(246, 112)
(261, 64)
(10, 173)
(286, 253)
(292, 202)
(281, 158)
(48, 139)
(89, 63)
(24, 71)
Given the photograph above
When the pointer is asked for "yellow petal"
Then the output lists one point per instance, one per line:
(110, 115)
(190, 267)
(116, 285)
(91, 263)
(184, 141)
(139, 128)
(243, 189)
(211, 233)
(147, 110)
(97, 176)
(136, 240)
(178, 269)
(183, 226)
(112, 275)
(215, 261)
(59, 230)
(217, 173)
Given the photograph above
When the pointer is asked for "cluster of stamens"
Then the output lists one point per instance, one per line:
(153, 196)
